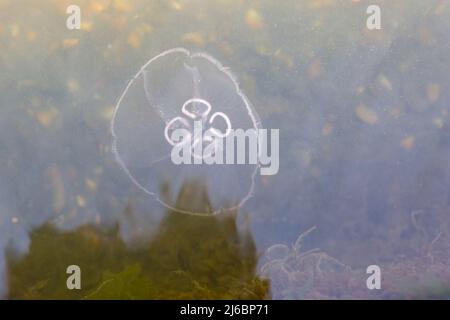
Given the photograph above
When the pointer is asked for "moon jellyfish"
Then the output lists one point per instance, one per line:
(193, 92)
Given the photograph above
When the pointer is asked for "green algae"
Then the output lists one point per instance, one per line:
(189, 257)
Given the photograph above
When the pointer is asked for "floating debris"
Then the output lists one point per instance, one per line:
(366, 115)
(91, 185)
(327, 129)
(176, 6)
(253, 19)
(315, 68)
(107, 112)
(195, 38)
(98, 6)
(385, 82)
(122, 5)
(285, 58)
(433, 92)
(438, 122)
(46, 118)
(408, 143)
(81, 201)
(86, 26)
(134, 40)
(15, 30)
(31, 35)
(73, 86)
(70, 42)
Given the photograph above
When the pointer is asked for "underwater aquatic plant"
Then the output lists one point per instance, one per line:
(189, 257)
(292, 272)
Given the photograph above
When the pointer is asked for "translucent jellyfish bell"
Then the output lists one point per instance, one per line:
(182, 90)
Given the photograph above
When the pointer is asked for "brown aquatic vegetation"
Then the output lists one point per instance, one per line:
(189, 257)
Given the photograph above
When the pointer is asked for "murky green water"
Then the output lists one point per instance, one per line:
(364, 152)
